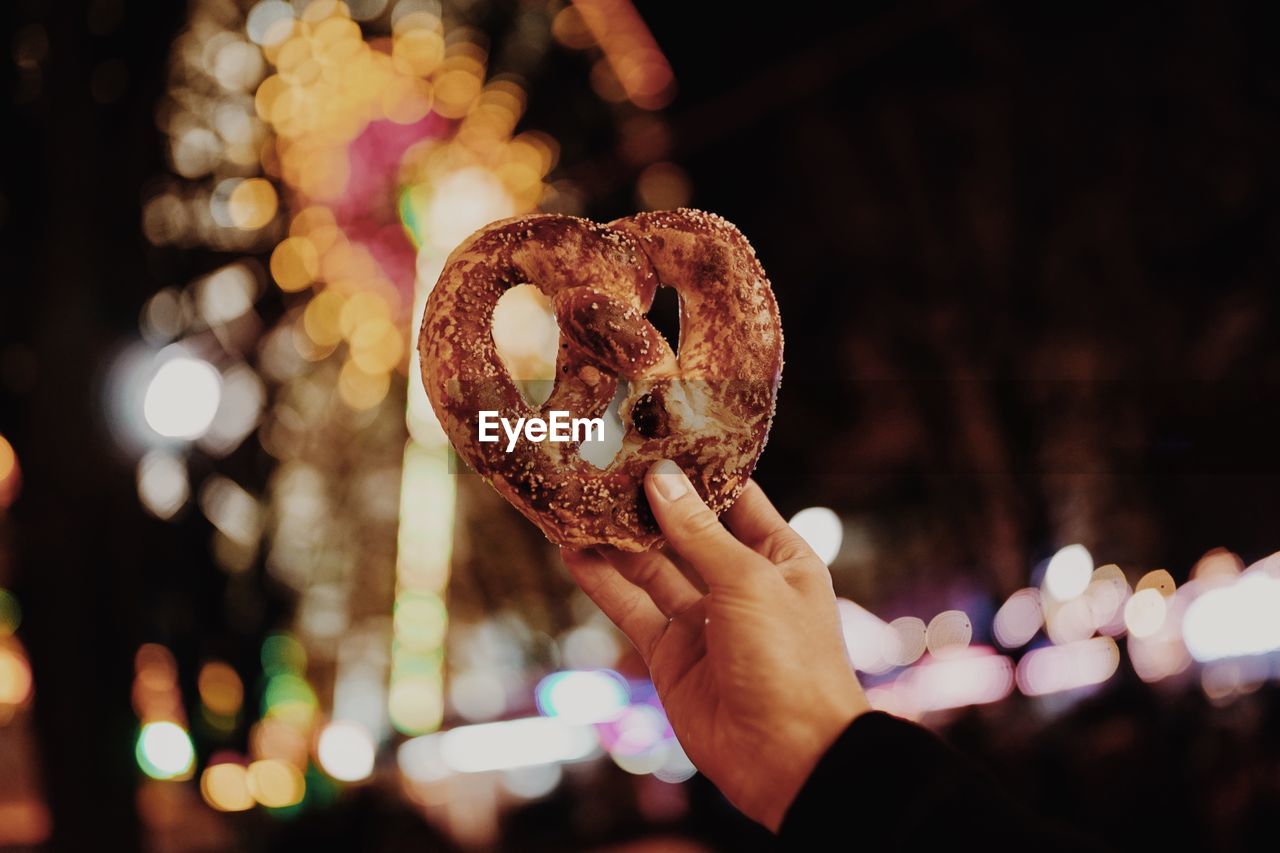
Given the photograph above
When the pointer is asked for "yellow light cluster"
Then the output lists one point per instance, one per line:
(329, 84)
(354, 303)
(515, 167)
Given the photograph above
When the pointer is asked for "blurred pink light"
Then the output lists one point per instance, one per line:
(1054, 669)
(1018, 619)
(976, 675)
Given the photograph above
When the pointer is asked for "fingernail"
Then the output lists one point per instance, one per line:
(669, 480)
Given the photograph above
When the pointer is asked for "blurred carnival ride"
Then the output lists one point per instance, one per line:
(326, 157)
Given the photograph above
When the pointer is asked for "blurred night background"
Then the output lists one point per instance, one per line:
(1026, 257)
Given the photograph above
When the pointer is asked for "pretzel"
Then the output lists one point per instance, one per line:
(708, 408)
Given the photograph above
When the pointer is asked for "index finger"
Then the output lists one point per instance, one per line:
(757, 523)
(694, 531)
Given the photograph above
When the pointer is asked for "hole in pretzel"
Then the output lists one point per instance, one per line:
(527, 338)
(602, 453)
(665, 315)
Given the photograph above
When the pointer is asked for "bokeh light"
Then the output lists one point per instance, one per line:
(515, 743)
(10, 613)
(822, 529)
(9, 474)
(477, 695)
(532, 782)
(1106, 596)
(182, 397)
(593, 696)
(252, 203)
(275, 784)
(164, 750)
(1069, 621)
(637, 740)
(1054, 669)
(163, 488)
(870, 644)
(1068, 572)
(274, 738)
(948, 633)
(1217, 566)
(346, 751)
(971, 675)
(1159, 580)
(221, 689)
(1235, 620)
(1144, 613)
(15, 677)
(290, 698)
(225, 787)
(1018, 619)
(156, 696)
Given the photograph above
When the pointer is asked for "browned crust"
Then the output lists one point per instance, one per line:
(709, 410)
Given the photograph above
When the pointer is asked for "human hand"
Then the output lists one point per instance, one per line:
(741, 636)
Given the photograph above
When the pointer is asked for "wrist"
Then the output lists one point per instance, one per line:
(808, 738)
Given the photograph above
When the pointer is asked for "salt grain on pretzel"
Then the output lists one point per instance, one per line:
(708, 407)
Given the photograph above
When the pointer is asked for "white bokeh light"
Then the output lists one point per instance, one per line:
(1069, 572)
(1018, 619)
(346, 751)
(867, 638)
(1054, 669)
(182, 398)
(592, 696)
(463, 202)
(1236, 620)
(513, 743)
(536, 780)
(821, 528)
(162, 483)
(948, 633)
(165, 750)
(1144, 613)
(906, 640)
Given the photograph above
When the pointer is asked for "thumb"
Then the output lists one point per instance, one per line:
(693, 529)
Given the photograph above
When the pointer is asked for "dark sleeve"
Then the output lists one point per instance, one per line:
(887, 784)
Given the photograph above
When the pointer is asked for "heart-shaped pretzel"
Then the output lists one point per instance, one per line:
(708, 408)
